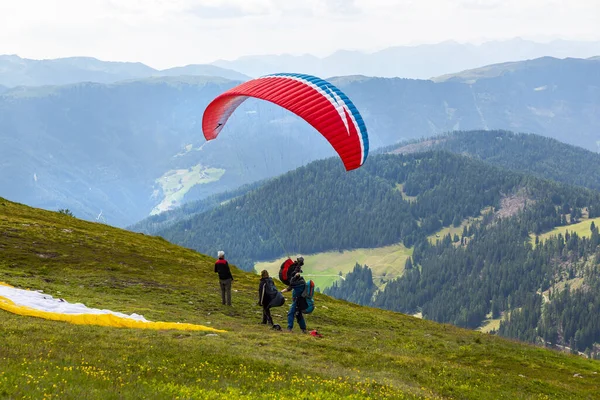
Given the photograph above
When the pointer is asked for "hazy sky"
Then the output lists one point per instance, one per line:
(164, 33)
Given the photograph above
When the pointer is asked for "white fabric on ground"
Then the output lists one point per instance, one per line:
(45, 302)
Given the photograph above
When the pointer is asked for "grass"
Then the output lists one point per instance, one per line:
(176, 183)
(490, 324)
(365, 352)
(439, 235)
(458, 230)
(574, 284)
(452, 230)
(581, 228)
(324, 268)
(400, 188)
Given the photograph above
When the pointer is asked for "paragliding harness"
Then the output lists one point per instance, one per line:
(270, 289)
(287, 271)
(277, 300)
(275, 297)
(306, 302)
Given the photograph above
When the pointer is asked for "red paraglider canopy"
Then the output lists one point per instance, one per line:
(318, 102)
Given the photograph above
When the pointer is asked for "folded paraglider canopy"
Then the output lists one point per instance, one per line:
(37, 304)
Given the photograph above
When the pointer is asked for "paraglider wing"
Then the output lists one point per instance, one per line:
(315, 100)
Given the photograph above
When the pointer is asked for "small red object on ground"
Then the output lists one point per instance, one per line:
(315, 333)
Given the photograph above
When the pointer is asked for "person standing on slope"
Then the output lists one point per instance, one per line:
(268, 296)
(297, 285)
(225, 277)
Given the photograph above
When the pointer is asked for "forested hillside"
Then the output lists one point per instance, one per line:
(494, 269)
(357, 287)
(393, 198)
(523, 152)
(132, 149)
(534, 154)
(567, 308)
(499, 274)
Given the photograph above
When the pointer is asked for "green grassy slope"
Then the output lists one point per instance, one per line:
(365, 353)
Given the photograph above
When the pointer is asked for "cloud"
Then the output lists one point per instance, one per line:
(224, 11)
(164, 33)
(342, 7)
(480, 4)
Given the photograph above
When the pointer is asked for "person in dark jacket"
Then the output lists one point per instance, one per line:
(265, 295)
(297, 285)
(225, 277)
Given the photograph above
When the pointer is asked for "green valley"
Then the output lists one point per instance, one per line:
(175, 184)
(583, 229)
(387, 263)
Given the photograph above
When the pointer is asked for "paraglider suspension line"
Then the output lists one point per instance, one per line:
(273, 231)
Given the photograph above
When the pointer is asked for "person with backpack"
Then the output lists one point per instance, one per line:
(268, 297)
(297, 287)
(225, 277)
(289, 268)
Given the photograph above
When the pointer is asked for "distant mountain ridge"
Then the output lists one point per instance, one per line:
(547, 96)
(136, 147)
(551, 65)
(17, 71)
(417, 62)
(528, 153)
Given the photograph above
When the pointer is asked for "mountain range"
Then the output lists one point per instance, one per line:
(17, 71)
(425, 61)
(120, 152)
(417, 62)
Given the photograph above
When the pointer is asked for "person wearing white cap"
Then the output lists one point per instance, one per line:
(225, 277)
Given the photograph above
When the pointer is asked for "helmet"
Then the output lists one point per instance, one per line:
(300, 259)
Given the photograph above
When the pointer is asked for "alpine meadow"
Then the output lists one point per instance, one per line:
(364, 352)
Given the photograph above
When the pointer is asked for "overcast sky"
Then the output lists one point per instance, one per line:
(165, 33)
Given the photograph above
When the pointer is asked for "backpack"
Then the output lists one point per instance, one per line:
(270, 288)
(277, 301)
(307, 294)
(285, 273)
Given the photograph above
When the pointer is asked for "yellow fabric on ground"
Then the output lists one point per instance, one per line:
(98, 319)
